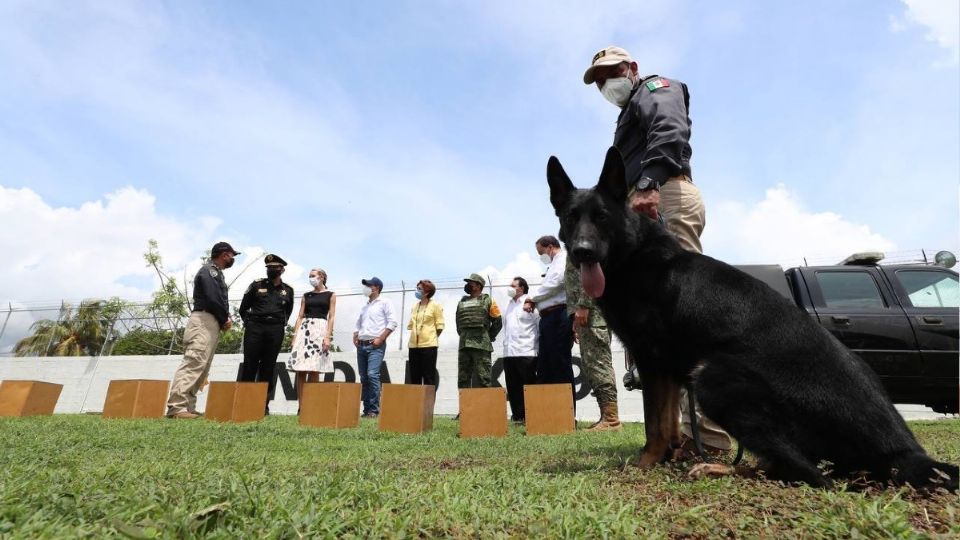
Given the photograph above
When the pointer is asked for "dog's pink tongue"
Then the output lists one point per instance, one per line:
(591, 277)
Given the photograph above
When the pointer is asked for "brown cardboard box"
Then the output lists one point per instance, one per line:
(136, 398)
(549, 409)
(28, 398)
(483, 412)
(236, 401)
(406, 408)
(330, 405)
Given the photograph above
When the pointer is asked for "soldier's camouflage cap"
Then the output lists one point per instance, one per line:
(476, 277)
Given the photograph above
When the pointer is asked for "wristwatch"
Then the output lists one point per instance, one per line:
(646, 183)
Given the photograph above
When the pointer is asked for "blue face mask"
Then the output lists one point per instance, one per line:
(418, 294)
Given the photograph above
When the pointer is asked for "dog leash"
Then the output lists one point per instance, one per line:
(695, 428)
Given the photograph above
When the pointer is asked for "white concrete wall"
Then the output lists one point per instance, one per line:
(85, 381)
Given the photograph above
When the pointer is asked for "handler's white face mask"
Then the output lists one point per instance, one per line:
(367, 291)
(511, 292)
(617, 90)
(314, 281)
(545, 258)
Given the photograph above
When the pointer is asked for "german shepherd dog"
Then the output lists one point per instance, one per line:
(760, 367)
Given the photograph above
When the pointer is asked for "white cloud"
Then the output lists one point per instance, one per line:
(92, 250)
(779, 229)
(941, 19)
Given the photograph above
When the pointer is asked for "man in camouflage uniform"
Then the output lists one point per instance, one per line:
(478, 323)
(591, 331)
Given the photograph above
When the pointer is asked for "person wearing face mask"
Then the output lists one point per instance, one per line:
(520, 336)
(478, 323)
(310, 351)
(425, 325)
(554, 361)
(265, 309)
(375, 323)
(653, 136)
(210, 316)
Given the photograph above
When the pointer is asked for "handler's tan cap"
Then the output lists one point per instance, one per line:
(610, 56)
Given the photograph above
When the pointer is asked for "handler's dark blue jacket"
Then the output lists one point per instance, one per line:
(653, 131)
(210, 292)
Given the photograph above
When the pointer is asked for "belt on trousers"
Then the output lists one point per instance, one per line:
(263, 320)
(550, 309)
(366, 342)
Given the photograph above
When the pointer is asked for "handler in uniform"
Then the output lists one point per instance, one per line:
(265, 310)
(590, 329)
(210, 316)
(478, 323)
(653, 136)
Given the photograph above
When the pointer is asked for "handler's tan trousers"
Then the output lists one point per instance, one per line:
(685, 216)
(200, 340)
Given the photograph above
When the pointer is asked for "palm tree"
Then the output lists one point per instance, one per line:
(80, 333)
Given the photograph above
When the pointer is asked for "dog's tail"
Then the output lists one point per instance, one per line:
(923, 473)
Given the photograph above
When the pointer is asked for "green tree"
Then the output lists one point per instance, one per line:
(80, 332)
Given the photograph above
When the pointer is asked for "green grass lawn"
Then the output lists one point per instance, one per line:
(70, 476)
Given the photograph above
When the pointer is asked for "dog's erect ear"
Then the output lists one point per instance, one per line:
(560, 185)
(613, 176)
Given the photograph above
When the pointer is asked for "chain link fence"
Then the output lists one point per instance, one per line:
(135, 328)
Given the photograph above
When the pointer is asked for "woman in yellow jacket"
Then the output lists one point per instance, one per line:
(426, 324)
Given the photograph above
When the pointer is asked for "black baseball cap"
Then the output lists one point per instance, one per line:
(221, 247)
(373, 282)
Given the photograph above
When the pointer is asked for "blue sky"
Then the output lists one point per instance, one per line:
(409, 139)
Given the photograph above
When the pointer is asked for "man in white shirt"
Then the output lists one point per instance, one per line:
(376, 322)
(554, 363)
(520, 335)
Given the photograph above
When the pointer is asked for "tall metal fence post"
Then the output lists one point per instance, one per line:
(403, 312)
(109, 335)
(7, 319)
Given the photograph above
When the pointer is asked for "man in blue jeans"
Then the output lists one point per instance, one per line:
(376, 322)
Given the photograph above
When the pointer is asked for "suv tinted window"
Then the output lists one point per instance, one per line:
(850, 290)
(930, 289)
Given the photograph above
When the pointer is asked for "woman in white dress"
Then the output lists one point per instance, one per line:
(310, 352)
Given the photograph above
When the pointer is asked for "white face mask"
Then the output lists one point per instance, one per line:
(511, 292)
(545, 258)
(314, 281)
(617, 90)
(367, 291)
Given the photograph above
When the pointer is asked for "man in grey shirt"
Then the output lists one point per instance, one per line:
(210, 316)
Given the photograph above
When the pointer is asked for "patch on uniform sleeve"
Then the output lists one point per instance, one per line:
(214, 272)
(494, 310)
(657, 83)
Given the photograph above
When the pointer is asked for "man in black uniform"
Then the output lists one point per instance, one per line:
(653, 136)
(265, 310)
(210, 316)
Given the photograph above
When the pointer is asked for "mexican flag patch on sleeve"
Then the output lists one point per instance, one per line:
(658, 83)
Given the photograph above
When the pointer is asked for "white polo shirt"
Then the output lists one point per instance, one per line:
(521, 330)
(551, 291)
